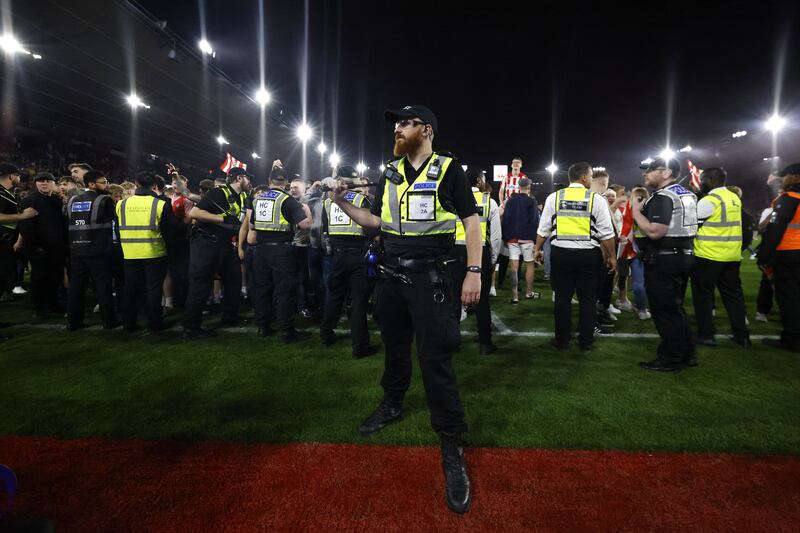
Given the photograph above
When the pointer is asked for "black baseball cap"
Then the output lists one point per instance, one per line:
(346, 172)
(790, 170)
(235, 172)
(659, 162)
(44, 176)
(7, 169)
(412, 111)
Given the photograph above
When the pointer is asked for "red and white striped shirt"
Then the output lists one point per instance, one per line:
(511, 183)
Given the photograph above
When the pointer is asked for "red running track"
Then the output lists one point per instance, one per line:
(133, 485)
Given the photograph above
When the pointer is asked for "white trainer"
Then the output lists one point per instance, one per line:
(19, 290)
(761, 317)
(613, 310)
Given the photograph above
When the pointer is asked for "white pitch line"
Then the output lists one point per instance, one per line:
(503, 331)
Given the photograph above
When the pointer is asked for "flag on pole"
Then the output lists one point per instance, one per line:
(695, 172)
(231, 162)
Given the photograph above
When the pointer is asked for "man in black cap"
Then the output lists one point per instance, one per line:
(90, 216)
(44, 242)
(669, 222)
(273, 215)
(10, 216)
(349, 242)
(219, 215)
(779, 255)
(417, 201)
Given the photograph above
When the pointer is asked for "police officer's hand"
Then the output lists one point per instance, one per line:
(611, 263)
(471, 289)
(27, 213)
(339, 191)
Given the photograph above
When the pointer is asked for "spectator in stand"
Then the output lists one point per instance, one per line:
(44, 241)
(510, 184)
(78, 171)
(519, 223)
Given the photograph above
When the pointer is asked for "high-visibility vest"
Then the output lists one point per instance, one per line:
(414, 209)
(483, 205)
(84, 228)
(720, 236)
(339, 223)
(683, 222)
(8, 196)
(268, 215)
(236, 208)
(791, 237)
(139, 232)
(573, 214)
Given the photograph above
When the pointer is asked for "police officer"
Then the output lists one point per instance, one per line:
(90, 218)
(717, 258)
(9, 216)
(417, 202)
(780, 254)
(579, 222)
(218, 215)
(669, 222)
(349, 242)
(144, 223)
(483, 310)
(273, 216)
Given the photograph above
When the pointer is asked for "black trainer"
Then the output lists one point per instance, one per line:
(488, 348)
(658, 366)
(265, 331)
(385, 414)
(290, 337)
(457, 487)
(198, 334)
(370, 350)
(327, 338)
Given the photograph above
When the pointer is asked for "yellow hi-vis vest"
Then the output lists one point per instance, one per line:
(483, 204)
(720, 236)
(414, 209)
(573, 214)
(339, 223)
(267, 212)
(236, 207)
(139, 232)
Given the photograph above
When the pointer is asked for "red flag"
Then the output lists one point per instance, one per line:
(231, 162)
(695, 172)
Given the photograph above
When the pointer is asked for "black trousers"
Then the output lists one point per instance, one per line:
(483, 311)
(605, 286)
(708, 274)
(98, 269)
(408, 312)
(665, 283)
(575, 271)
(47, 275)
(147, 273)
(304, 287)
(117, 269)
(179, 269)
(208, 257)
(348, 276)
(764, 298)
(275, 286)
(8, 264)
(787, 294)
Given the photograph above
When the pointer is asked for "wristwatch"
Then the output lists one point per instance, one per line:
(474, 268)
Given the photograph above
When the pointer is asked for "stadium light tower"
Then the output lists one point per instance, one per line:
(667, 154)
(255, 156)
(685, 149)
(222, 140)
(304, 133)
(775, 123)
(205, 47)
(552, 168)
(361, 168)
(335, 159)
(135, 102)
(322, 148)
(263, 97)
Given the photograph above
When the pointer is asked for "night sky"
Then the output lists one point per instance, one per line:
(569, 81)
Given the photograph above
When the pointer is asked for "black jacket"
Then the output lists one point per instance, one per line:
(48, 229)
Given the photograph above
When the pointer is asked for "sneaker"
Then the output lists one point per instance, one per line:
(625, 306)
(96, 308)
(613, 310)
(533, 295)
(19, 290)
(714, 313)
(492, 292)
(761, 317)
(752, 257)
(574, 301)
(463, 313)
(306, 313)
(644, 315)
(382, 416)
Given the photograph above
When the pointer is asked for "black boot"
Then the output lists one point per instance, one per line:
(386, 413)
(457, 487)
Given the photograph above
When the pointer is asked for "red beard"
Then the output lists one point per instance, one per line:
(405, 145)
